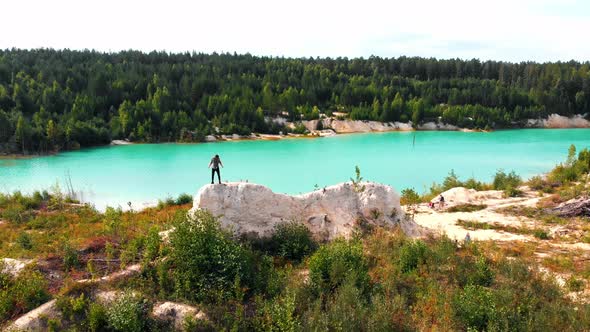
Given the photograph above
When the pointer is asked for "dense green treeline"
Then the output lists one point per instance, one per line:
(51, 100)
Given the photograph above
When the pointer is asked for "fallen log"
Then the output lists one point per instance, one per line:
(577, 207)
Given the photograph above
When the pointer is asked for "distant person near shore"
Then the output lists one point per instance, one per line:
(214, 165)
(441, 202)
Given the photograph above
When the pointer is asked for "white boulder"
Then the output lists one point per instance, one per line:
(461, 195)
(36, 320)
(335, 211)
(177, 313)
(14, 266)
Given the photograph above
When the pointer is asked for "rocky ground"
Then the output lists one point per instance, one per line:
(561, 246)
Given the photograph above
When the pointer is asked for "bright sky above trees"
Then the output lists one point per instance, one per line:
(539, 30)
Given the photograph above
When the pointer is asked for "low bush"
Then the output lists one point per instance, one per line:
(292, 241)
(97, 319)
(573, 169)
(540, 184)
(24, 240)
(474, 307)
(21, 294)
(412, 254)
(279, 314)
(467, 207)
(129, 313)
(180, 200)
(73, 308)
(540, 234)
(183, 199)
(17, 214)
(409, 197)
(574, 284)
(207, 260)
(512, 192)
(335, 262)
(299, 129)
(508, 182)
(453, 181)
(70, 257)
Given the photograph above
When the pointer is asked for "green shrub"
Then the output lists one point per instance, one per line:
(451, 181)
(292, 241)
(412, 254)
(21, 294)
(207, 260)
(300, 129)
(112, 220)
(346, 310)
(480, 273)
(506, 182)
(130, 251)
(573, 169)
(70, 257)
(409, 197)
(72, 308)
(169, 201)
(541, 234)
(184, 199)
(574, 284)
(279, 314)
(512, 192)
(474, 307)
(180, 200)
(152, 245)
(335, 262)
(129, 313)
(538, 183)
(97, 319)
(24, 240)
(472, 183)
(17, 213)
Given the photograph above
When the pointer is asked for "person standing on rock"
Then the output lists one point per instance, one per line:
(214, 165)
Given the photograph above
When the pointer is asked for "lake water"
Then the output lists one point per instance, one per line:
(147, 172)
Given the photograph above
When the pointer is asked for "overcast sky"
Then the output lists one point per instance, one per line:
(513, 30)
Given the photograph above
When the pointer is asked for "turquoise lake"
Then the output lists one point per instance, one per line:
(144, 173)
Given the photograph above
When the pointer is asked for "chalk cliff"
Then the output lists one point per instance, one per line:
(334, 211)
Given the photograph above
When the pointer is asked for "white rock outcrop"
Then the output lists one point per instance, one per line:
(559, 121)
(120, 142)
(437, 126)
(334, 211)
(461, 195)
(177, 313)
(357, 126)
(36, 320)
(13, 266)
